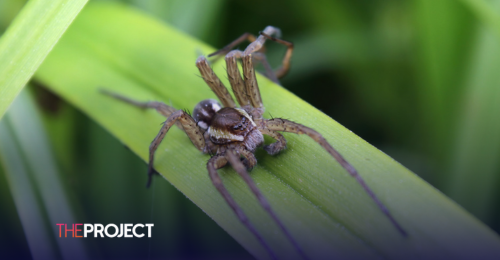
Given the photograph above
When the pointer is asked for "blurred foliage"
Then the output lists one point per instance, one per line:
(27, 41)
(417, 79)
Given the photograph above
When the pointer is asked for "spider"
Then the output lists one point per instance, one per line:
(231, 134)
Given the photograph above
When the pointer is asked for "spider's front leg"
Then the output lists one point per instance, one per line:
(251, 38)
(247, 90)
(192, 130)
(237, 83)
(214, 82)
(234, 77)
(251, 84)
(278, 124)
(267, 34)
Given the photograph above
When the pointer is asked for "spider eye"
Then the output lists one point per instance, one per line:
(238, 127)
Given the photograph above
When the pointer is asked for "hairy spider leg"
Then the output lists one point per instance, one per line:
(192, 130)
(214, 82)
(250, 81)
(258, 56)
(248, 160)
(238, 166)
(284, 125)
(259, 43)
(162, 108)
(251, 84)
(234, 77)
(217, 162)
(244, 37)
(277, 146)
(285, 66)
(269, 72)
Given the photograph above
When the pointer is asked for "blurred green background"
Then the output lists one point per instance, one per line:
(417, 79)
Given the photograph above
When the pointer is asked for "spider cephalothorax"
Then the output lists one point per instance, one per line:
(230, 125)
(226, 126)
(231, 134)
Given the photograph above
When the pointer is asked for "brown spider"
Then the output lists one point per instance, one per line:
(232, 134)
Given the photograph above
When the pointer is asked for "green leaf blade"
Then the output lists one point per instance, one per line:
(38, 193)
(28, 40)
(475, 159)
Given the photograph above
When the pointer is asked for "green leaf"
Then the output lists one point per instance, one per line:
(28, 40)
(323, 207)
(194, 17)
(445, 31)
(32, 175)
(475, 159)
(486, 12)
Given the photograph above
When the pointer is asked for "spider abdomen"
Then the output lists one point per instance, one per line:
(205, 111)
